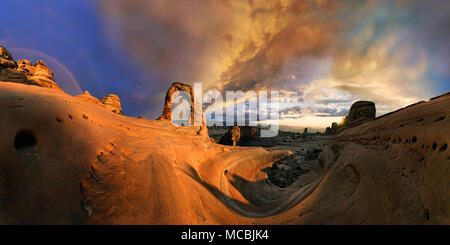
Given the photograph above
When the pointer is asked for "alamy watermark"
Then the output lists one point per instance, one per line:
(238, 108)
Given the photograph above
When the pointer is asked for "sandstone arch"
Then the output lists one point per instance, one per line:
(177, 86)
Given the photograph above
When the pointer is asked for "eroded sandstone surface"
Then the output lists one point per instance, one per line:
(112, 102)
(24, 72)
(68, 160)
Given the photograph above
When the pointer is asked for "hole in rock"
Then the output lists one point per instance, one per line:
(443, 147)
(434, 146)
(440, 119)
(414, 139)
(24, 139)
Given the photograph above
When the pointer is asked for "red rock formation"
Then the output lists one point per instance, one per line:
(88, 97)
(112, 102)
(6, 60)
(167, 111)
(361, 111)
(24, 72)
(231, 137)
(237, 135)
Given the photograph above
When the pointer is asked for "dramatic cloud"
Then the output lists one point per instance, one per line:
(291, 111)
(226, 44)
(322, 55)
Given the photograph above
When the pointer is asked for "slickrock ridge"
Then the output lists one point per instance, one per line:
(88, 97)
(24, 72)
(58, 150)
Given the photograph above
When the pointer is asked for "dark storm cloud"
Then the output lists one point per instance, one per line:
(378, 50)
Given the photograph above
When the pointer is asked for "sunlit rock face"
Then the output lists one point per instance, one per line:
(112, 102)
(24, 72)
(6, 60)
(40, 75)
(88, 97)
(167, 110)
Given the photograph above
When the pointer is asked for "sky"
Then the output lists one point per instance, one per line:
(321, 55)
